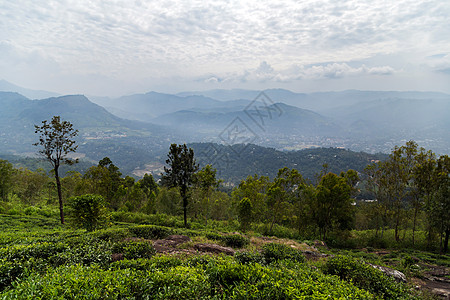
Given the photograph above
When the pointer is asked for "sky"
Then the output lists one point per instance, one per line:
(119, 47)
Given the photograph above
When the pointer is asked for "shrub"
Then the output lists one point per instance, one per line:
(273, 252)
(113, 235)
(366, 277)
(156, 262)
(230, 240)
(134, 249)
(42, 250)
(235, 240)
(150, 231)
(246, 257)
(9, 271)
(88, 211)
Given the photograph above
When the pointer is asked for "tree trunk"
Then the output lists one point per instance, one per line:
(414, 223)
(397, 223)
(185, 204)
(447, 233)
(58, 185)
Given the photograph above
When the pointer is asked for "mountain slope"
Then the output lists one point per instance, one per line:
(96, 125)
(274, 119)
(234, 163)
(143, 107)
(32, 94)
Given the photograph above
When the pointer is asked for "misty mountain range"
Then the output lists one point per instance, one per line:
(140, 127)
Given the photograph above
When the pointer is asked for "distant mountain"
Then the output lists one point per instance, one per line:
(223, 95)
(318, 101)
(100, 133)
(275, 119)
(144, 107)
(6, 86)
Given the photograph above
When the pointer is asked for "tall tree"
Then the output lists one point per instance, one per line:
(333, 207)
(105, 179)
(205, 183)
(57, 141)
(182, 167)
(6, 172)
(440, 204)
(283, 193)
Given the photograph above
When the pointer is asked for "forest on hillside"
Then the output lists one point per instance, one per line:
(409, 189)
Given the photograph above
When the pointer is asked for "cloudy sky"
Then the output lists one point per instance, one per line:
(118, 47)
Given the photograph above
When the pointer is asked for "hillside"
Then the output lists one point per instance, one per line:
(100, 132)
(271, 122)
(239, 161)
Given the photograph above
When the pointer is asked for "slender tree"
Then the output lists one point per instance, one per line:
(182, 167)
(57, 141)
(6, 172)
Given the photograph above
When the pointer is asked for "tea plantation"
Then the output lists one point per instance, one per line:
(40, 259)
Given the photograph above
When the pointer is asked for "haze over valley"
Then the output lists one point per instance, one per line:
(135, 131)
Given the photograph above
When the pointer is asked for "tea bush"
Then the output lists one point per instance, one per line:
(247, 257)
(134, 249)
(273, 252)
(230, 240)
(366, 277)
(151, 231)
(9, 271)
(235, 240)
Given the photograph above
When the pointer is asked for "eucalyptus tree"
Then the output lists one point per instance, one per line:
(56, 139)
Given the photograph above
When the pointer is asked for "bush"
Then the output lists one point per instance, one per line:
(88, 211)
(134, 249)
(113, 235)
(150, 231)
(273, 252)
(246, 257)
(366, 277)
(9, 271)
(156, 262)
(235, 240)
(230, 240)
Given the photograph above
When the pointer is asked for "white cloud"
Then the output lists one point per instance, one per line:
(266, 73)
(137, 40)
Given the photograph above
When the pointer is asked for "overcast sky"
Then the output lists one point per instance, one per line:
(119, 47)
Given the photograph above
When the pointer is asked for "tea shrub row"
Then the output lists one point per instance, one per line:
(171, 278)
(230, 240)
(366, 277)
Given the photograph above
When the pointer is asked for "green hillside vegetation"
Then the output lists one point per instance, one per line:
(236, 162)
(108, 248)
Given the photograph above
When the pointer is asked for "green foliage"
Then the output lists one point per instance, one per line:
(10, 271)
(57, 140)
(132, 249)
(150, 231)
(6, 172)
(247, 257)
(366, 277)
(273, 252)
(235, 240)
(245, 213)
(182, 167)
(332, 207)
(230, 240)
(88, 211)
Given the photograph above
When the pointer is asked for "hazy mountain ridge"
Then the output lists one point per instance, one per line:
(95, 124)
(6, 86)
(370, 121)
